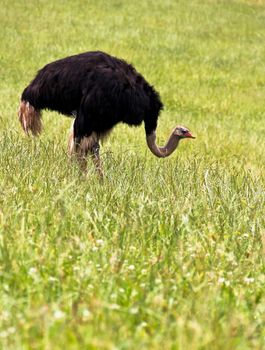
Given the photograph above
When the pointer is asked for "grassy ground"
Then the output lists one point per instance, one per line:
(166, 254)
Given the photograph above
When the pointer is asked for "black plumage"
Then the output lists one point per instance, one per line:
(99, 89)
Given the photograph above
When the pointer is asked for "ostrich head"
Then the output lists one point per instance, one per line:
(180, 132)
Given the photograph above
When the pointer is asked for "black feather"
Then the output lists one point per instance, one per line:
(101, 90)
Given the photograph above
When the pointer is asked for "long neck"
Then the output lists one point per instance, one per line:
(164, 151)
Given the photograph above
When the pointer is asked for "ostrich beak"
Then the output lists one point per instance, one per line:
(189, 135)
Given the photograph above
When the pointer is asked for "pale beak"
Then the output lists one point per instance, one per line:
(189, 135)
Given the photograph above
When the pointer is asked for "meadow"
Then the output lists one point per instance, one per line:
(166, 253)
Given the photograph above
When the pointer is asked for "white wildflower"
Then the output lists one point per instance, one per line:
(249, 280)
(142, 325)
(100, 242)
(221, 280)
(134, 310)
(114, 307)
(4, 334)
(32, 271)
(53, 279)
(86, 314)
(11, 330)
(131, 267)
(58, 315)
(113, 296)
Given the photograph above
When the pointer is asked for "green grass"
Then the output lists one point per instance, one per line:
(167, 253)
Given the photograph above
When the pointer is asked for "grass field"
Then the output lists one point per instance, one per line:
(167, 253)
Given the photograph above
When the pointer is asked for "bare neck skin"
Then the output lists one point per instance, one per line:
(166, 150)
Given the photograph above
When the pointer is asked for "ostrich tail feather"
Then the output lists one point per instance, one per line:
(30, 118)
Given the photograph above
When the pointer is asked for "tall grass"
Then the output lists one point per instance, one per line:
(165, 254)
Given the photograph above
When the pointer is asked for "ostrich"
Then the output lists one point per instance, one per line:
(99, 91)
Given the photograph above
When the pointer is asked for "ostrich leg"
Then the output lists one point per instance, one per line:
(96, 159)
(75, 150)
(80, 147)
(71, 145)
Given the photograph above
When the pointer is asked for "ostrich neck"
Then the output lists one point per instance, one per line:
(164, 151)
